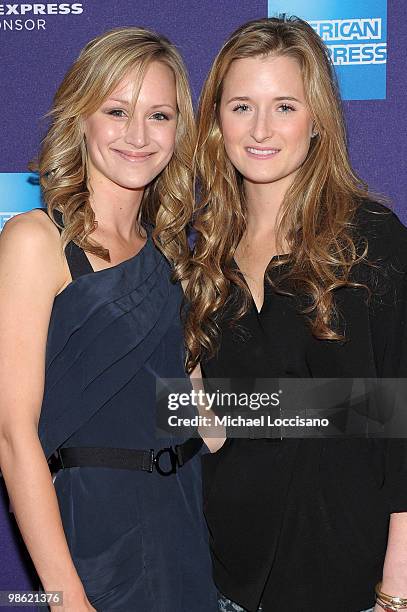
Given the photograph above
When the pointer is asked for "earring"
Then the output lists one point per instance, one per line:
(314, 133)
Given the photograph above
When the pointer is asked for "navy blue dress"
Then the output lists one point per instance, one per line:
(137, 539)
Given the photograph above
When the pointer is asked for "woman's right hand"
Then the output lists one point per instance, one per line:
(74, 602)
(86, 606)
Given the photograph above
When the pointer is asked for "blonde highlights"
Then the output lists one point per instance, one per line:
(167, 201)
(315, 218)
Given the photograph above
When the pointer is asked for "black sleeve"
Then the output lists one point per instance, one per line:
(396, 361)
(389, 337)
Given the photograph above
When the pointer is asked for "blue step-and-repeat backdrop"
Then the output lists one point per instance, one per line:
(367, 40)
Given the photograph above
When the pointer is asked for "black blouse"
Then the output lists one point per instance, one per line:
(301, 524)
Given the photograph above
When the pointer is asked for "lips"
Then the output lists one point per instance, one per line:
(261, 153)
(132, 156)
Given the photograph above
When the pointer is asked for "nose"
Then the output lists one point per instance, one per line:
(136, 132)
(262, 128)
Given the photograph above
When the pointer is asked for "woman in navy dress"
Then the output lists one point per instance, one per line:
(90, 318)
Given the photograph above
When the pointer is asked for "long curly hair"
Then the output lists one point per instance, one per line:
(315, 218)
(167, 201)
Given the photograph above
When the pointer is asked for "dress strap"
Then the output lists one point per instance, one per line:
(77, 261)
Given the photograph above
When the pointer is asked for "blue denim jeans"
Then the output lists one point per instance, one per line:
(226, 605)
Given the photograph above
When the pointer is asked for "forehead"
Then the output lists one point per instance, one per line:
(158, 82)
(277, 75)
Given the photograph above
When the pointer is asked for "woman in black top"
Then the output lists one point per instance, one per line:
(297, 272)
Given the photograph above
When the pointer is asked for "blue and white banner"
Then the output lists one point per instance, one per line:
(20, 192)
(355, 32)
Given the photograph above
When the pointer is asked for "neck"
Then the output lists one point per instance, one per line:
(116, 208)
(263, 202)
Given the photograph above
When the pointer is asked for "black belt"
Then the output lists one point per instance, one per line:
(126, 458)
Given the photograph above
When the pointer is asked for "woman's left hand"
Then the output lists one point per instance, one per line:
(213, 435)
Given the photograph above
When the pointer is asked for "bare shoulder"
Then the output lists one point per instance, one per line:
(30, 245)
(33, 225)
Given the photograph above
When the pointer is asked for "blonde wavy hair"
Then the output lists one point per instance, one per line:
(316, 215)
(62, 164)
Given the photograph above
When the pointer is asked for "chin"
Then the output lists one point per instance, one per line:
(129, 184)
(261, 179)
(139, 182)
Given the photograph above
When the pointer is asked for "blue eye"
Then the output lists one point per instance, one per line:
(286, 108)
(116, 112)
(160, 117)
(241, 108)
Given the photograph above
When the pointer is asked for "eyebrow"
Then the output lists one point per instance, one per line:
(278, 99)
(117, 100)
(127, 103)
(161, 105)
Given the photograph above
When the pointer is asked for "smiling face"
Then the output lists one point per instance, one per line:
(265, 122)
(131, 150)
